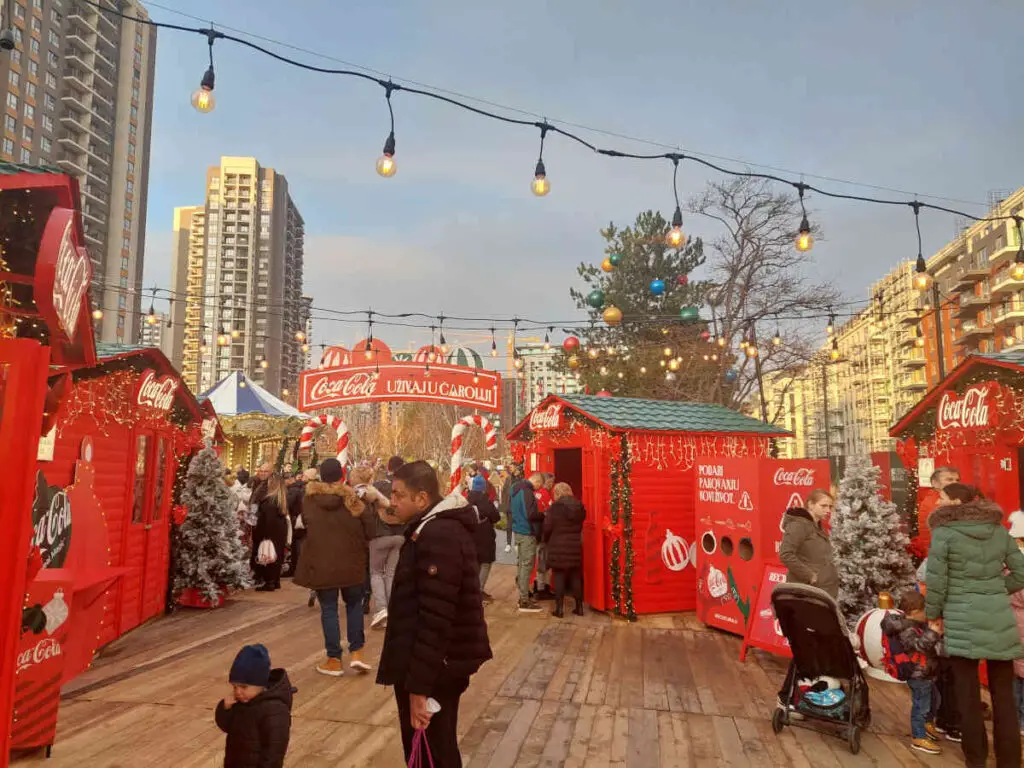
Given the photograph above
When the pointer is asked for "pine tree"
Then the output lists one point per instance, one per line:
(210, 554)
(630, 359)
(870, 545)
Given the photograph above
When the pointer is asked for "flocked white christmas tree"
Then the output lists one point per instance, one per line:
(869, 542)
(210, 553)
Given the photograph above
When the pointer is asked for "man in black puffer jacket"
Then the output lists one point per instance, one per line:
(436, 636)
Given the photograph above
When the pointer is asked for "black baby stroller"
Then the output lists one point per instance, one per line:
(822, 647)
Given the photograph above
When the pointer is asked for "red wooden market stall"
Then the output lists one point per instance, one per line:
(974, 421)
(633, 464)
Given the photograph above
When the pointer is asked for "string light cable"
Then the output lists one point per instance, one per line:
(546, 127)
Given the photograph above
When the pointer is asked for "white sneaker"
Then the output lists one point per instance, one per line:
(508, 547)
(380, 619)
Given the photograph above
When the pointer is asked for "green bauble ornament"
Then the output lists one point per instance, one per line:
(689, 314)
(615, 259)
(596, 298)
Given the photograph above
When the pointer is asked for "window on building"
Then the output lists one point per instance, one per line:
(135, 74)
(49, 103)
(132, 129)
(45, 144)
(37, 25)
(13, 79)
(47, 123)
(30, 90)
(138, 37)
(131, 166)
(26, 155)
(34, 45)
(30, 112)
(52, 60)
(51, 80)
(37, 4)
(135, 92)
(131, 147)
(128, 205)
(19, 10)
(126, 243)
(17, 35)
(33, 67)
(127, 225)
(26, 133)
(56, 17)
(8, 146)
(16, 56)
(138, 57)
(124, 282)
(135, 113)
(12, 100)
(121, 301)
(10, 123)
(54, 38)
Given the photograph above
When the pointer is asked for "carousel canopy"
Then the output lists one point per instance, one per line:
(466, 356)
(236, 394)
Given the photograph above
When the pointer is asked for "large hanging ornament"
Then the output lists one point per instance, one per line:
(574, 362)
(683, 279)
(596, 298)
(689, 314)
(571, 343)
(731, 376)
(615, 259)
(871, 650)
(612, 315)
(607, 265)
(657, 287)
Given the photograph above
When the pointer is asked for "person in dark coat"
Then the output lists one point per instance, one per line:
(806, 549)
(436, 636)
(483, 536)
(563, 535)
(335, 557)
(272, 523)
(257, 717)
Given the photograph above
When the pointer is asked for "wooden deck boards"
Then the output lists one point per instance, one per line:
(585, 691)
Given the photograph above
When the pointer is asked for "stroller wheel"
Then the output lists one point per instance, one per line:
(779, 720)
(854, 739)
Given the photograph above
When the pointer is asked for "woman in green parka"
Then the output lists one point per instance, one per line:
(973, 566)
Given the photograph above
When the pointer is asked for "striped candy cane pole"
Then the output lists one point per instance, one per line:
(458, 436)
(324, 420)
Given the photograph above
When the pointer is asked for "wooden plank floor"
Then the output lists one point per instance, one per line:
(584, 691)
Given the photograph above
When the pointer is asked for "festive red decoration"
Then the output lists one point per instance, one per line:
(683, 279)
(604, 393)
(705, 335)
(570, 344)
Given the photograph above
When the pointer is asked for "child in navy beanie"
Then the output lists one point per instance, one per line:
(257, 716)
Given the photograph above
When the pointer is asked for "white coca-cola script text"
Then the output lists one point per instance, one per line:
(802, 476)
(967, 412)
(47, 648)
(157, 392)
(70, 281)
(547, 418)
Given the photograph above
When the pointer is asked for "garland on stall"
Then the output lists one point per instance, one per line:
(615, 502)
(626, 498)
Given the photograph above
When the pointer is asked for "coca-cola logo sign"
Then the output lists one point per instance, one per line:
(51, 523)
(46, 649)
(62, 274)
(70, 282)
(799, 477)
(355, 385)
(157, 391)
(972, 410)
(546, 418)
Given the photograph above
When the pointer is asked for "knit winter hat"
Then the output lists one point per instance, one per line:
(251, 667)
(330, 471)
(478, 483)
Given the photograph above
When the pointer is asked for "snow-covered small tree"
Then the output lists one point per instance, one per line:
(869, 543)
(210, 554)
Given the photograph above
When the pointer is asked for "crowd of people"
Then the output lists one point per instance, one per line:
(966, 613)
(383, 541)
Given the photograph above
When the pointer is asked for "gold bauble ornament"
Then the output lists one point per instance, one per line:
(574, 362)
(607, 265)
(612, 315)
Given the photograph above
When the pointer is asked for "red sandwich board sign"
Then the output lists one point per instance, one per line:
(763, 630)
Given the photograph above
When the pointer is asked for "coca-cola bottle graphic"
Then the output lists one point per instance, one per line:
(33, 619)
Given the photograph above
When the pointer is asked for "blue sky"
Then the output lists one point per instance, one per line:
(919, 96)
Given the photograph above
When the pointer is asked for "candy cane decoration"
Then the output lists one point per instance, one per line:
(458, 431)
(339, 426)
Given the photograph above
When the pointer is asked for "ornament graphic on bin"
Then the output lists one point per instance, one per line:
(718, 584)
(56, 612)
(657, 287)
(596, 300)
(676, 554)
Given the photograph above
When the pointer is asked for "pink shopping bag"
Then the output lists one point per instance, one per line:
(419, 748)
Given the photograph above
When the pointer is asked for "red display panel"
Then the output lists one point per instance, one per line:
(763, 630)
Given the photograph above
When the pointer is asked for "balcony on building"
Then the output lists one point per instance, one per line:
(73, 164)
(1009, 312)
(970, 272)
(73, 143)
(914, 360)
(971, 331)
(73, 102)
(970, 303)
(1004, 282)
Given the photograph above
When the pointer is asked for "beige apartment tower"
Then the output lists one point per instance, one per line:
(80, 97)
(237, 280)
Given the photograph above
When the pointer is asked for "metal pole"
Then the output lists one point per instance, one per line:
(936, 301)
(757, 373)
(824, 397)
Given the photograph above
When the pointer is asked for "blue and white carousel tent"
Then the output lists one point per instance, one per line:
(237, 394)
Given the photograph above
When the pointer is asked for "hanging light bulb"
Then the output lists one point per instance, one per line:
(97, 314)
(667, 351)
(203, 100)
(386, 165)
(494, 345)
(803, 241)
(300, 336)
(777, 338)
(611, 350)
(547, 340)
(151, 318)
(426, 371)
(592, 353)
(264, 363)
(664, 331)
(304, 348)
(222, 339)
(714, 357)
(621, 375)
(673, 364)
(751, 350)
(919, 337)
(721, 341)
(476, 376)
(284, 392)
(922, 280)
(831, 327)
(707, 358)
(834, 352)
(235, 333)
(675, 237)
(203, 349)
(541, 186)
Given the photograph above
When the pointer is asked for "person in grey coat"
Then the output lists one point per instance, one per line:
(806, 550)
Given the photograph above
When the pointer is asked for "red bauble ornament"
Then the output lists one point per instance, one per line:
(604, 393)
(705, 335)
(683, 279)
(570, 344)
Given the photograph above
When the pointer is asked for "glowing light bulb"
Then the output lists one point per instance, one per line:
(494, 349)
(643, 369)
(777, 339)
(305, 347)
(264, 364)
(284, 392)
(721, 341)
(300, 336)
(592, 353)
(235, 333)
(751, 350)
(804, 240)
(673, 365)
(476, 377)
(834, 354)
(97, 314)
(604, 371)
(621, 375)
(518, 362)
(203, 100)
(1017, 270)
(675, 237)
(540, 186)
(386, 165)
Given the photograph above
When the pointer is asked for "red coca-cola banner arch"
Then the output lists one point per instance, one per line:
(399, 381)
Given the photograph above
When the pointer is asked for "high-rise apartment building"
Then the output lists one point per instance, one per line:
(80, 96)
(536, 377)
(237, 277)
(157, 334)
